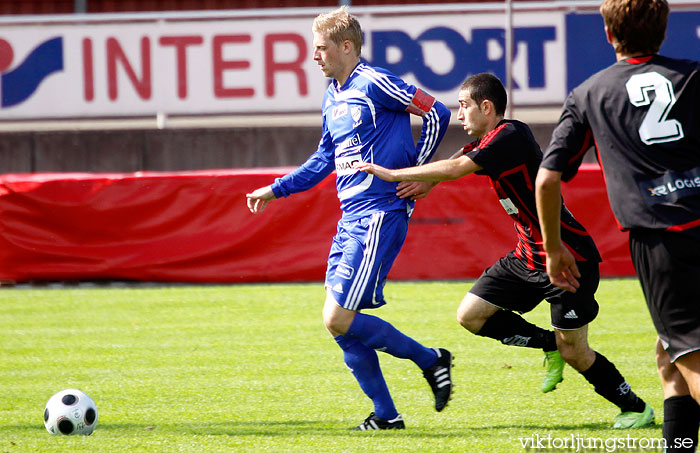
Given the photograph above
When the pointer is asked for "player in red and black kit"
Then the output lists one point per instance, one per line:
(506, 152)
(643, 115)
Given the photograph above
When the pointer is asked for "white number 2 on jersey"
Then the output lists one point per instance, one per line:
(655, 128)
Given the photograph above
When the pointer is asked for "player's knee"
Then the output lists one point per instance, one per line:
(474, 312)
(568, 352)
(337, 319)
(460, 313)
(466, 316)
(333, 323)
(667, 371)
(692, 383)
(670, 375)
(466, 320)
(461, 319)
(686, 369)
(577, 354)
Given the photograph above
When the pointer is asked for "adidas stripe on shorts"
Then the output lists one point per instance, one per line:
(361, 256)
(511, 285)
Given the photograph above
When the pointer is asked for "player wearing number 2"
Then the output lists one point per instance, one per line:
(643, 115)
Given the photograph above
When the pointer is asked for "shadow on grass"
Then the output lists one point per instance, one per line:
(314, 427)
(232, 428)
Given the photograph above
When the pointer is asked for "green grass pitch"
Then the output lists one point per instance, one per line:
(251, 368)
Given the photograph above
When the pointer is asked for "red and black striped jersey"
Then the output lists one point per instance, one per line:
(510, 157)
(643, 114)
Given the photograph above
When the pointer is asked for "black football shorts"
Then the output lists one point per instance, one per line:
(668, 266)
(510, 285)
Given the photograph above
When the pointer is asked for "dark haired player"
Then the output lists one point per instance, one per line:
(643, 114)
(366, 114)
(506, 152)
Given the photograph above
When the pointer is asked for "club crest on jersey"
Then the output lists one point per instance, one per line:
(356, 115)
(339, 111)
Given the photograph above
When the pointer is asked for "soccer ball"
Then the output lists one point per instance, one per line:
(70, 411)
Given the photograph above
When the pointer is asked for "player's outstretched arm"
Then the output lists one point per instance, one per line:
(258, 199)
(442, 170)
(378, 171)
(561, 265)
(404, 189)
(416, 190)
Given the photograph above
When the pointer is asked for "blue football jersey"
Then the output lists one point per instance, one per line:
(367, 120)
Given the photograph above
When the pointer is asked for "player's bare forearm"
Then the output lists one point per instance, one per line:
(561, 265)
(442, 170)
(258, 199)
(548, 198)
(377, 170)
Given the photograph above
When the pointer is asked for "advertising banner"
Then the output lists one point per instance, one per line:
(195, 227)
(261, 61)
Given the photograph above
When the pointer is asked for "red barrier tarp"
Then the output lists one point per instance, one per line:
(195, 227)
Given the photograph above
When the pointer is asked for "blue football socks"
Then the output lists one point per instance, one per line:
(379, 335)
(364, 364)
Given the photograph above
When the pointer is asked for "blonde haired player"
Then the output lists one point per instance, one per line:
(366, 119)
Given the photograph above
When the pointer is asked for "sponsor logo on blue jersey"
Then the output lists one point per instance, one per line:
(340, 111)
(351, 144)
(346, 165)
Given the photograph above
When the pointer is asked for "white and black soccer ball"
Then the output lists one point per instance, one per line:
(69, 412)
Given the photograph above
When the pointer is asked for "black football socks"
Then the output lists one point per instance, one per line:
(609, 383)
(681, 423)
(513, 330)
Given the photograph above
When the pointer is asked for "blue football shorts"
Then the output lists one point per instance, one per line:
(361, 256)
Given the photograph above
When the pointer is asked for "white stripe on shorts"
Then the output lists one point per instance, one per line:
(359, 285)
